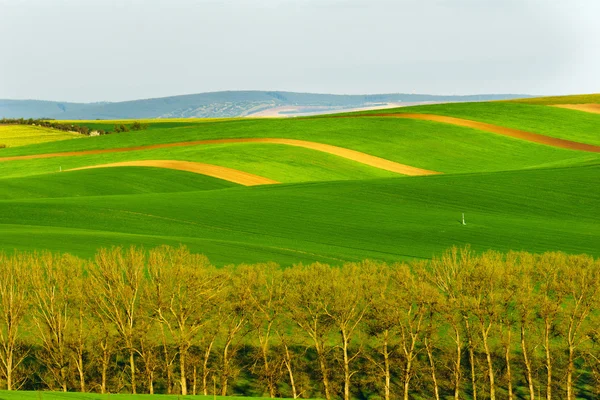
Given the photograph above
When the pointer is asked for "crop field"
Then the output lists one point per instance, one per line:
(276, 206)
(23, 135)
(353, 202)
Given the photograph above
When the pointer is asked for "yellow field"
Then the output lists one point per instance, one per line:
(576, 99)
(144, 121)
(22, 135)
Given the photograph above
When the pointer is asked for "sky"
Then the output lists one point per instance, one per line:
(109, 50)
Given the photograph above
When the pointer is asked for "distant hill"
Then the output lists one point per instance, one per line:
(224, 104)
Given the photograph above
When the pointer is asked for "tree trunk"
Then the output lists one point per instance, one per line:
(288, 365)
(195, 380)
(225, 372)
(570, 373)
(386, 362)
(105, 363)
(205, 368)
(323, 365)
(527, 361)
(270, 383)
(132, 367)
(151, 382)
(347, 374)
(182, 355)
(9, 370)
(471, 360)
(80, 370)
(456, 372)
(508, 366)
(484, 335)
(407, 373)
(436, 389)
(548, 359)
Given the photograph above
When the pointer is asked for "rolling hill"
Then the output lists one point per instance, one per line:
(220, 104)
(327, 199)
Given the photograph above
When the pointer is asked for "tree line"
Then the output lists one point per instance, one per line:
(463, 325)
(67, 127)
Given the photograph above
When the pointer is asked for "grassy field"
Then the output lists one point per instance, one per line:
(516, 194)
(23, 135)
(536, 210)
(541, 119)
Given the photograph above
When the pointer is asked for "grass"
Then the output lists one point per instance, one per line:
(422, 144)
(113, 181)
(516, 195)
(389, 219)
(43, 395)
(279, 162)
(550, 121)
(23, 135)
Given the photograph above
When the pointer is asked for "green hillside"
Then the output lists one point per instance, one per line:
(536, 210)
(515, 194)
(542, 119)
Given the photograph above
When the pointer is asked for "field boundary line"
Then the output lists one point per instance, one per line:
(500, 130)
(343, 152)
(215, 171)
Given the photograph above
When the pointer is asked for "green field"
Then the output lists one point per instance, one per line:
(515, 194)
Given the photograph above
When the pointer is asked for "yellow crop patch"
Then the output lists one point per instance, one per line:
(22, 135)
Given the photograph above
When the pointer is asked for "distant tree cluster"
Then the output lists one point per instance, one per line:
(463, 325)
(82, 129)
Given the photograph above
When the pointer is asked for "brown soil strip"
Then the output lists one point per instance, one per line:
(353, 155)
(515, 133)
(591, 108)
(228, 174)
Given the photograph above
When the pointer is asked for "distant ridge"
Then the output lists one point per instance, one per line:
(225, 104)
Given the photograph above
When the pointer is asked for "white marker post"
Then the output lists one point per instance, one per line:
(463, 219)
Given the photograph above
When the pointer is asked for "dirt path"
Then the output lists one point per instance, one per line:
(228, 174)
(353, 155)
(591, 108)
(515, 133)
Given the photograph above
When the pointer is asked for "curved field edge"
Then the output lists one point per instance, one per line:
(387, 219)
(423, 144)
(105, 182)
(278, 162)
(590, 108)
(540, 119)
(214, 171)
(349, 154)
(514, 133)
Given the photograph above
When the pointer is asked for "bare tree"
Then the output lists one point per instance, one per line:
(184, 287)
(414, 303)
(117, 278)
(549, 300)
(14, 303)
(308, 291)
(266, 296)
(580, 284)
(51, 280)
(348, 300)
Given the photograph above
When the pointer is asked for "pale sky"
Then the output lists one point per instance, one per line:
(108, 50)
